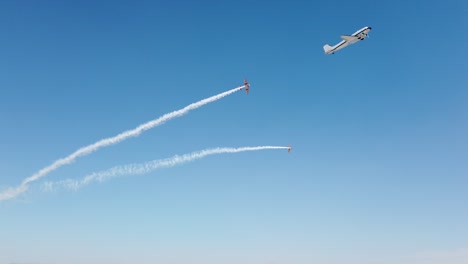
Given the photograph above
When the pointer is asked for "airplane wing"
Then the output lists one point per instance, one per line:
(349, 38)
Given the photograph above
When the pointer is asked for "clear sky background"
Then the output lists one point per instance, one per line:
(378, 169)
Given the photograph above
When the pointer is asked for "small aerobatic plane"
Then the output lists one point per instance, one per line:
(348, 40)
(289, 148)
(247, 86)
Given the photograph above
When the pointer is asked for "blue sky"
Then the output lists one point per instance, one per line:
(378, 169)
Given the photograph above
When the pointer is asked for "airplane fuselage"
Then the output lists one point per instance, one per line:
(357, 36)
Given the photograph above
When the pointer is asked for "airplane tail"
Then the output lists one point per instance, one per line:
(327, 48)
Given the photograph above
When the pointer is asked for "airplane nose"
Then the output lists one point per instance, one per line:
(370, 28)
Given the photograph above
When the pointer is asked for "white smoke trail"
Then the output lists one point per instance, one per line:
(10, 193)
(13, 192)
(142, 168)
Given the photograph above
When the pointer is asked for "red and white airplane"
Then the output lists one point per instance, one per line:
(247, 86)
(289, 148)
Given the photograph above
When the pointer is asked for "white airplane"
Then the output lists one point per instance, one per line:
(348, 40)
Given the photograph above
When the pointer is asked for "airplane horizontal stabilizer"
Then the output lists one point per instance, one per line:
(327, 48)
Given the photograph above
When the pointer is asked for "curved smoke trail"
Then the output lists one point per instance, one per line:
(13, 192)
(142, 168)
